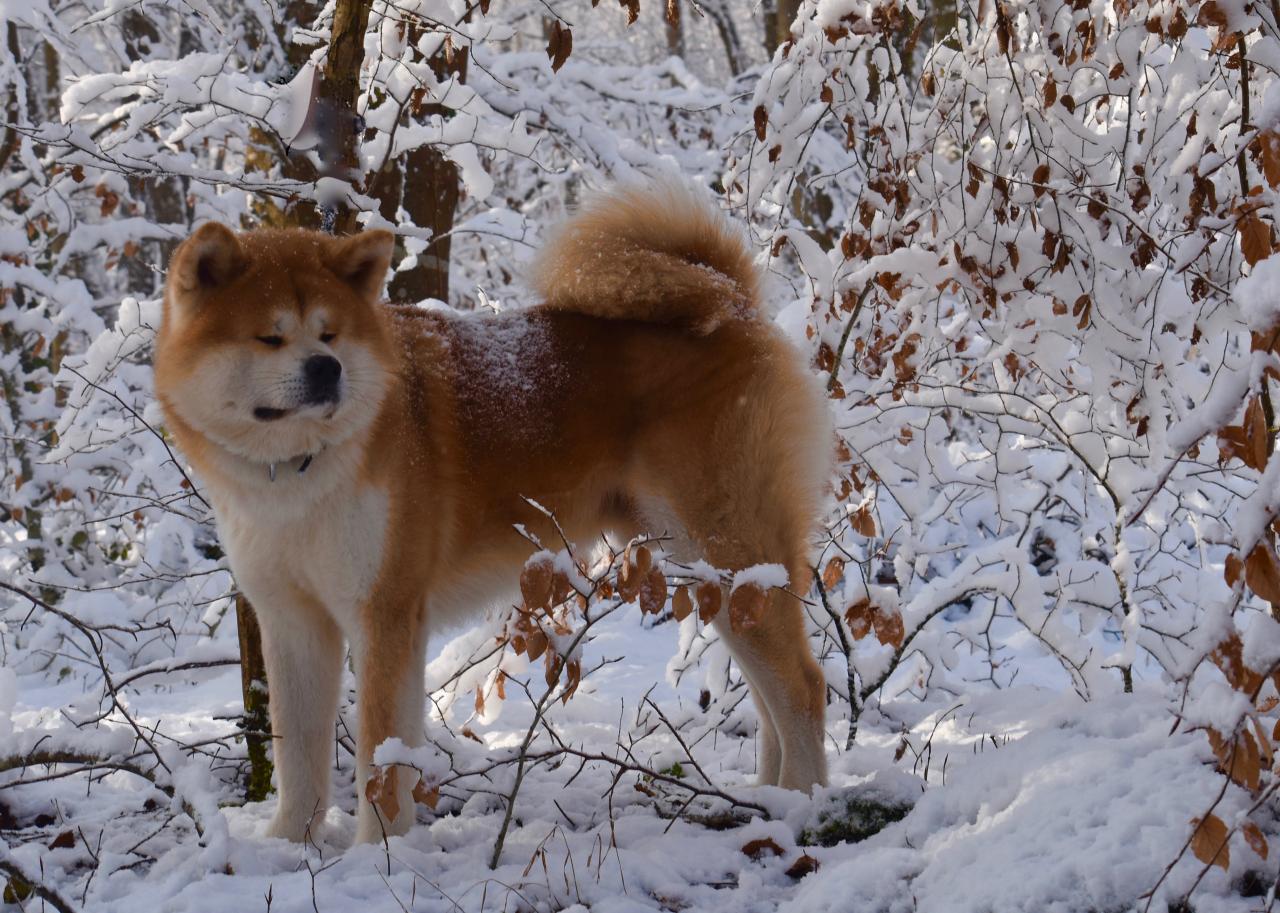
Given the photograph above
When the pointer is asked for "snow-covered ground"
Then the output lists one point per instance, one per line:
(1025, 799)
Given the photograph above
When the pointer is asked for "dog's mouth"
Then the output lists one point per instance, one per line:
(327, 409)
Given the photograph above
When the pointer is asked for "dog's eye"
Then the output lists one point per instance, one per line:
(327, 338)
(274, 342)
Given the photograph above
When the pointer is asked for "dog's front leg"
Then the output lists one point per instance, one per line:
(302, 647)
(390, 665)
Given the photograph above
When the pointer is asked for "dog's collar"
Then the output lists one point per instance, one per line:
(302, 466)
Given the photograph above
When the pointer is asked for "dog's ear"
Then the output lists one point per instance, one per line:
(210, 258)
(362, 260)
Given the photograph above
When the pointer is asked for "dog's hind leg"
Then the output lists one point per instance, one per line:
(747, 494)
(302, 647)
(390, 670)
(789, 691)
(733, 531)
(656, 516)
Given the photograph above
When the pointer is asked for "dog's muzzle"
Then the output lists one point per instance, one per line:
(322, 374)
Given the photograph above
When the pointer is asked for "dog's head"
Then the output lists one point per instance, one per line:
(272, 345)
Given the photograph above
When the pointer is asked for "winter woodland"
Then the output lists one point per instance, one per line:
(1028, 246)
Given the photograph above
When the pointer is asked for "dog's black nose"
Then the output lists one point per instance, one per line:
(321, 373)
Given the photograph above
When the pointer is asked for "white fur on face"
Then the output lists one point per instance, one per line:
(219, 397)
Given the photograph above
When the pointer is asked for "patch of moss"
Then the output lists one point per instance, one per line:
(851, 818)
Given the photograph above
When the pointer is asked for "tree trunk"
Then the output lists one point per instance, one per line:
(430, 192)
(727, 29)
(253, 690)
(778, 16)
(337, 96)
(946, 18)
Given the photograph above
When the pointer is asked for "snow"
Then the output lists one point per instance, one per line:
(1258, 295)
(1029, 801)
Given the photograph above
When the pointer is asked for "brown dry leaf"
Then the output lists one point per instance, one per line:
(889, 628)
(858, 617)
(537, 643)
(709, 599)
(535, 584)
(427, 795)
(1241, 753)
(1221, 747)
(681, 604)
(551, 667)
(380, 790)
(110, 199)
(805, 865)
(1269, 145)
(573, 678)
(559, 44)
(644, 560)
(628, 578)
(833, 573)
(1255, 434)
(1234, 569)
(761, 118)
(863, 523)
(1228, 656)
(1209, 842)
(561, 588)
(746, 606)
(500, 685)
(1255, 838)
(1041, 175)
(757, 848)
(1211, 14)
(479, 700)
(653, 591)
(1082, 308)
(1246, 768)
(1262, 572)
(1231, 445)
(1255, 238)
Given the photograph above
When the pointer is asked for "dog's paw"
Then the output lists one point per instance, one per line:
(371, 828)
(294, 828)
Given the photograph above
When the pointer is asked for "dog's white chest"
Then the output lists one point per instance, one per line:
(332, 550)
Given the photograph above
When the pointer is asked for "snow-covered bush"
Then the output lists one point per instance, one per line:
(1034, 263)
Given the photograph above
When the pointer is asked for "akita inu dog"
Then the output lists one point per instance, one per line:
(366, 463)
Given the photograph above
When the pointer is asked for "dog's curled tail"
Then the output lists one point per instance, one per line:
(660, 254)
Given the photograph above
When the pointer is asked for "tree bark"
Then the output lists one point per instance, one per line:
(778, 16)
(727, 29)
(338, 95)
(430, 191)
(253, 690)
